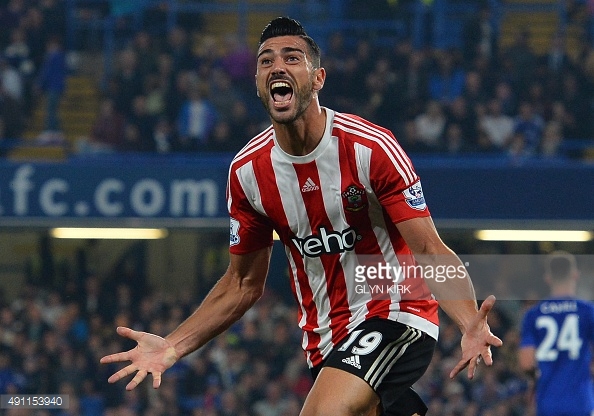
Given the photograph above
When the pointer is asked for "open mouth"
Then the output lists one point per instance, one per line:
(281, 92)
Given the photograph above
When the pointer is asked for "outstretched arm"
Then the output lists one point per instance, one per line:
(456, 296)
(239, 288)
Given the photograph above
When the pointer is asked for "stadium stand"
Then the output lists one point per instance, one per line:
(158, 53)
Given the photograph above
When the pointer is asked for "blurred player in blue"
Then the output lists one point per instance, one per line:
(557, 336)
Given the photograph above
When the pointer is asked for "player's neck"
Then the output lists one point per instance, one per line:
(303, 135)
(561, 290)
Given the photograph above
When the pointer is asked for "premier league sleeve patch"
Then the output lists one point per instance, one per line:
(414, 197)
(234, 232)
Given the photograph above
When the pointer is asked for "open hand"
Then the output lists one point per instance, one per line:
(477, 340)
(153, 354)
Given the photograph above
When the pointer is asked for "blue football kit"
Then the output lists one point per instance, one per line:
(562, 330)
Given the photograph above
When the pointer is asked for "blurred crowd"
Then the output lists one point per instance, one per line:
(184, 90)
(32, 62)
(51, 342)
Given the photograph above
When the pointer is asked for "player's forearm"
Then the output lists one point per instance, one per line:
(457, 299)
(229, 299)
(456, 293)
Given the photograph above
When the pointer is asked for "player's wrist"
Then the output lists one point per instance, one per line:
(173, 349)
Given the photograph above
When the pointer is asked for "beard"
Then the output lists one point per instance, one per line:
(301, 98)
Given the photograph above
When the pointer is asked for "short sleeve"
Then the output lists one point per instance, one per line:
(396, 184)
(249, 229)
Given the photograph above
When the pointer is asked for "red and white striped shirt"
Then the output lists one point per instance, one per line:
(333, 209)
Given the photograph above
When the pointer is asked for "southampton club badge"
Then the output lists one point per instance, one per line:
(234, 232)
(414, 197)
(354, 199)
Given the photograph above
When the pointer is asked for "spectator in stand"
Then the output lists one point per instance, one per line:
(460, 113)
(540, 99)
(144, 123)
(346, 76)
(414, 85)
(52, 81)
(454, 141)
(132, 139)
(231, 405)
(400, 54)
(238, 63)
(179, 49)
(430, 125)
(165, 73)
(146, 57)
(474, 93)
(340, 63)
(447, 82)
(507, 98)
(576, 97)
(497, 126)
(107, 133)
(380, 86)
(480, 36)
(530, 126)
(517, 149)
(54, 17)
(364, 63)
(226, 93)
(179, 93)
(127, 82)
(33, 26)
(220, 141)
(163, 135)
(12, 115)
(274, 404)
(35, 327)
(155, 95)
(19, 55)
(583, 58)
(551, 139)
(238, 122)
(567, 121)
(10, 80)
(557, 60)
(522, 61)
(196, 119)
(10, 17)
(91, 401)
(409, 138)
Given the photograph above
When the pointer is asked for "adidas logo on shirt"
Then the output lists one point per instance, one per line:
(353, 360)
(309, 185)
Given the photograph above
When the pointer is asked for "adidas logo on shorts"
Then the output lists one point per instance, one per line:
(353, 360)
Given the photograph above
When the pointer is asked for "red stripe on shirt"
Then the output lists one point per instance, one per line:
(368, 247)
(382, 136)
(273, 206)
(335, 280)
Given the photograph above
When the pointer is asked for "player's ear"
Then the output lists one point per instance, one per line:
(257, 91)
(319, 79)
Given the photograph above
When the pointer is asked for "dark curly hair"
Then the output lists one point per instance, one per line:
(285, 26)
